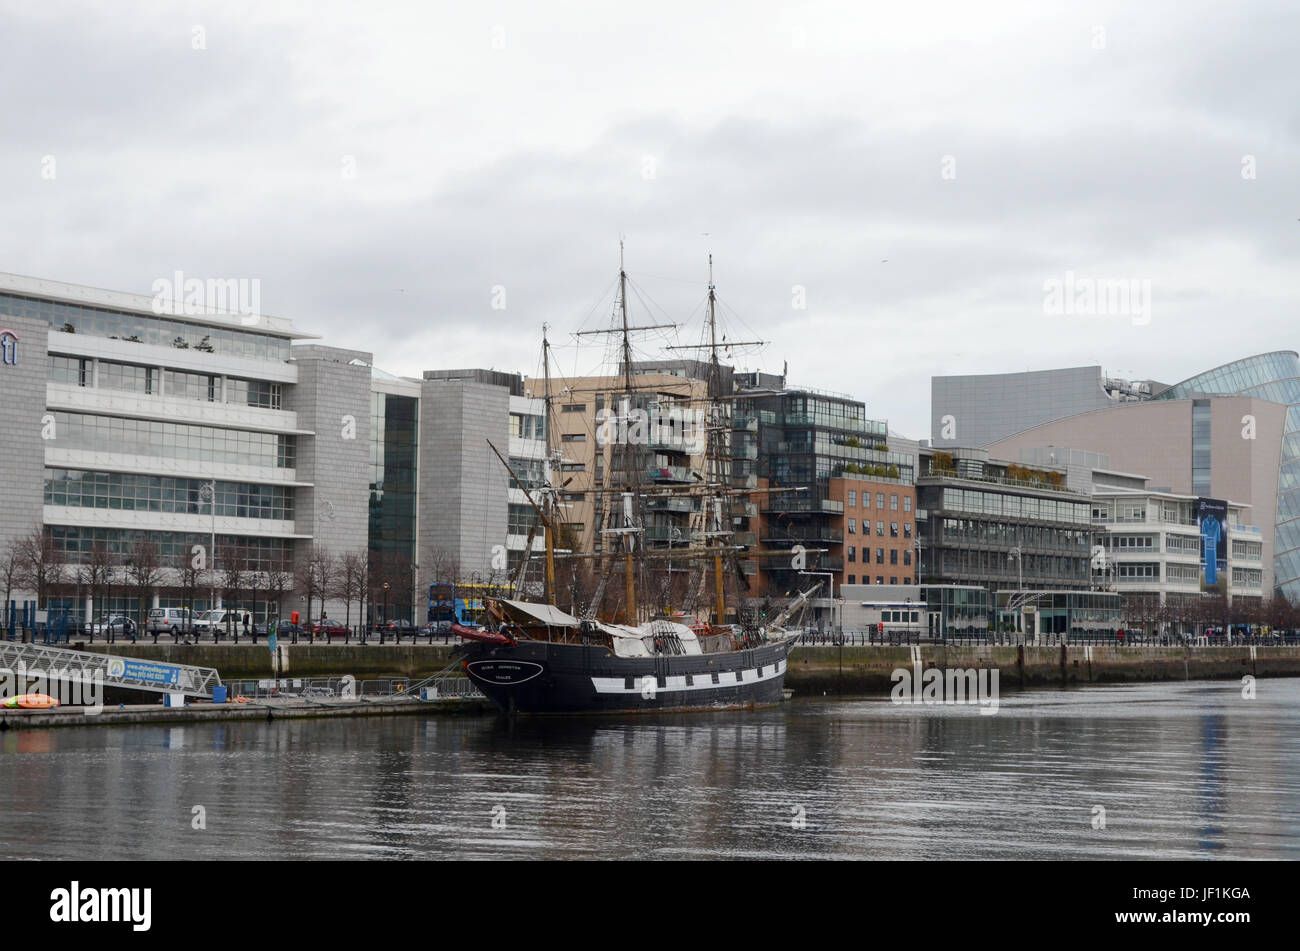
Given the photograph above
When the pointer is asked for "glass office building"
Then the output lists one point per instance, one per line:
(1270, 376)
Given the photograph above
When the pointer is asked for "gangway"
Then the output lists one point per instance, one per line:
(133, 673)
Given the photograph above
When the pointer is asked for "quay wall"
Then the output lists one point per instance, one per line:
(857, 669)
(868, 669)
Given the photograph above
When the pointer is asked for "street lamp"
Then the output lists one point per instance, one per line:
(385, 602)
(208, 493)
(1018, 556)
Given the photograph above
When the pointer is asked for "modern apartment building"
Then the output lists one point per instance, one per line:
(593, 423)
(833, 479)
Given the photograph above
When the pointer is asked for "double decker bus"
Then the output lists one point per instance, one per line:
(461, 603)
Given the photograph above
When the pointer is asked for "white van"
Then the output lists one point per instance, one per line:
(206, 621)
(168, 620)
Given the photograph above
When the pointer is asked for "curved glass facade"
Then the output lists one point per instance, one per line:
(1275, 377)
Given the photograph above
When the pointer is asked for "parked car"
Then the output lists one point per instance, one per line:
(117, 625)
(326, 627)
(168, 621)
(398, 626)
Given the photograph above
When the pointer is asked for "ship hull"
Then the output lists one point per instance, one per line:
(536, 677)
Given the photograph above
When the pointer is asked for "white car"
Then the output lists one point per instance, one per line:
(117, 625)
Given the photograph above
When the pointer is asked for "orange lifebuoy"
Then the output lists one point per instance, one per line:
(241, 700)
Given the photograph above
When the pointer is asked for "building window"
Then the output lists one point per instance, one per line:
(880, 579)
(853, 497)
(893, 529)
(73, 370)
(853, 526)
(574, 437)
(907, 503)
(893, 579)
(880, 529)
(574, 408)
(907, 529)
(853, 553)
(893, 556)
(893, 502)
(880, 556)
(907, 556)
(880, 500)
(190, 386)
(853, 579)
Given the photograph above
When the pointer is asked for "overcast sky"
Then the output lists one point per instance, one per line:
(919, 170)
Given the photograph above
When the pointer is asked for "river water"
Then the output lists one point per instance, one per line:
(1187, 770)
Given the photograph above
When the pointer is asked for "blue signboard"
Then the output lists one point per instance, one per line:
(145, 671)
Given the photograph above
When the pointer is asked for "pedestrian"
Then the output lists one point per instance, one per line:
(246, 620)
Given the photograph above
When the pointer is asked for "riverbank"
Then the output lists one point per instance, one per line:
(869, 670)
(860, 670)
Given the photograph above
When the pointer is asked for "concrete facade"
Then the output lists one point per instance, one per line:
(332, 400)
(463, 509)
(22, 404)
(976, 411)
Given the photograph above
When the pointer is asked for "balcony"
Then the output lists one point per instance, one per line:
(834, 536)
(744, 452)
(670, 474)
(746, 539)
(744, 510)
(672, 505)
(744, 424)
(802, 506)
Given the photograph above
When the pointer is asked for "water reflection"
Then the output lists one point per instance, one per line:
(1182, 770)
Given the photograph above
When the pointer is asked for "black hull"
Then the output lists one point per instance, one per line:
(537, 677)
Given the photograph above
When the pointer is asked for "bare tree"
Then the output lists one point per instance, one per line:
(42, 568)
(234, 576)
(96, 573)
(351, 582)
(189, 576)
(279, 579)
(11, 569)
(314, 578)
(143, 565)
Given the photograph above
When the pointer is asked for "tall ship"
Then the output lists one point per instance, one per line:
(631, 628)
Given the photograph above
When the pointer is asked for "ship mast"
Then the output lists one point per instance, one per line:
(631, 464)
(717, 451)
(632, 521)
(550, 595)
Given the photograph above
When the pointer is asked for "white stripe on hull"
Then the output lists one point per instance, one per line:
(687, 683)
